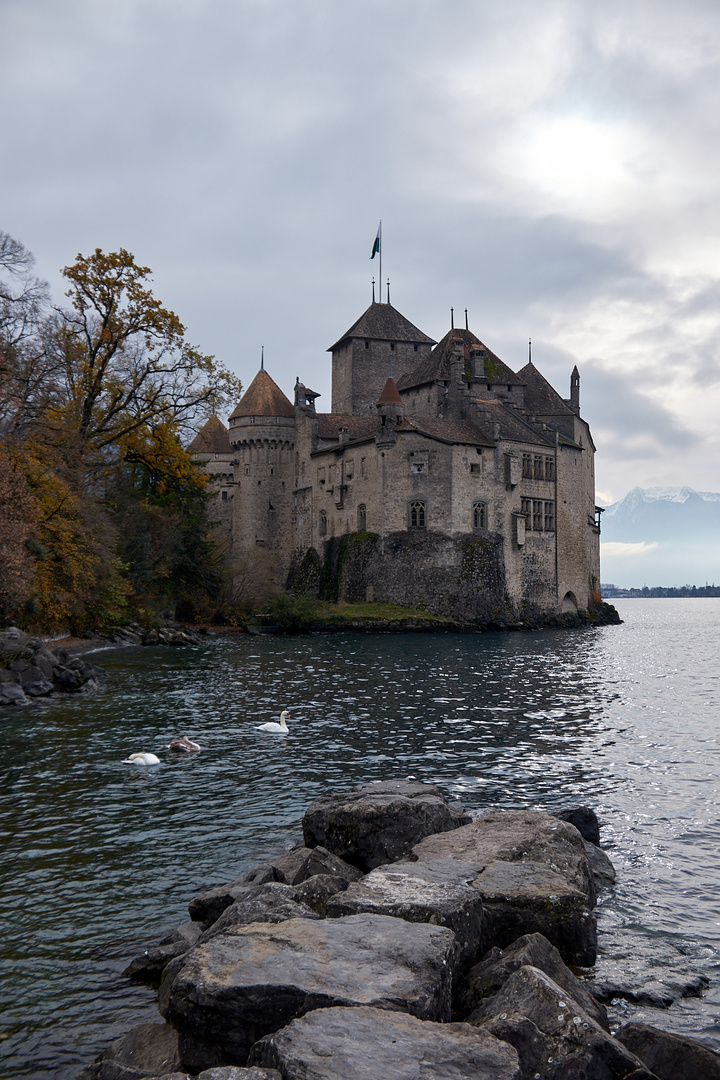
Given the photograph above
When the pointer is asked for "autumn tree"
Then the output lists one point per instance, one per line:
(126, 364)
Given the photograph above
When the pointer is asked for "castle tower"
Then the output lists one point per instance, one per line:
(382, 341)
(262, 434)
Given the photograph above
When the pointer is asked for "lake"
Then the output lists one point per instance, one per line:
(99, 858)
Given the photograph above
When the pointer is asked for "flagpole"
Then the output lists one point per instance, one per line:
(380, 254)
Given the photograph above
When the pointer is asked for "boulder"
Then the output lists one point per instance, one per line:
(11, 693)
(670, 1057)
(554, 1037)
(293, 868)
(144, 1051)
(533, 875)
(233, 1072)
(585, 821)
(316, 891)
(493, 971)
(272, 902)
(378, 823)
(251, 980)
(431, 892)
(603, 871)
(148, 966)
(374, 1044)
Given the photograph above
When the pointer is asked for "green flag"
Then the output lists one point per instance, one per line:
(376, 245)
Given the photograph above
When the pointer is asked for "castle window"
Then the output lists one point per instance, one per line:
(349, 469)
(362, 466)
(247, 470)
(549, 517)
(475, 467)
(392, 346)
(549, 468)
(224, 496)
(322, 525)
(362, 518)
(537, 515)
(526, 509)
(418, 467)
(539, 468)
(367, 344)
(321, 475)
(417, 514)
(414, 348)
(479, 516)
(527, 469)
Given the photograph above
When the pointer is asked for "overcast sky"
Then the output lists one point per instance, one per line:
(553, 167)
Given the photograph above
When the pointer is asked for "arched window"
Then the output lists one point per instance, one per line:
(322, 528)
(417, 514)
(479, 516)
(362, 518)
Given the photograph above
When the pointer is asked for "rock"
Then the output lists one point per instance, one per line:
(251, 980)
(12, 693)
(432, 892)
(148, 966)
(670, 1057)
(233, 1072)
(603, 870)
(296, 866)
(553, 1036)
(315, 891)
(378, 823)
(533, 875)
(585, 821)
(493, 971)
(272, 902)
(147, 1050)
(374, 1044)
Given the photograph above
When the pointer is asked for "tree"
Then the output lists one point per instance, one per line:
(126, 363)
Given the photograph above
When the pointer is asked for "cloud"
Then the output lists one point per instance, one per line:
(615, 549)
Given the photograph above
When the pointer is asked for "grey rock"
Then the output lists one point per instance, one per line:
(493, 971)
(585, 821)
(533, 875)
(233, 1072)
(294, 867)
(272, 902)
(374, 1044)
(432, 892)
(12, 693)
(553, 1036)
(146, 1050)
(378, 823)
(603, 870)
(670, 1057)
(148, 965)
(248, 982)
(315, 891)
(34, 683)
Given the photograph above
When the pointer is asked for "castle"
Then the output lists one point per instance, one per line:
(441, 478)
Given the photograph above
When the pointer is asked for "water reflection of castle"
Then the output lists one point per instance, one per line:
(459, 485)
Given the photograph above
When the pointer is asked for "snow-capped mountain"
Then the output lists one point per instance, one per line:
(662, 514)
(662, 536)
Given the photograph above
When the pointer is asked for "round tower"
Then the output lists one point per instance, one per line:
(262, 435)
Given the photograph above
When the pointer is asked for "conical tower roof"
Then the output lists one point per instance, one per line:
(390, 394)
(541, 399)
(383, 322)
(212, 438)
(263, 397)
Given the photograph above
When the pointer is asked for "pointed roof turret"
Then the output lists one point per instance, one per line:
(390, 394)
(540, 397)
(383, 322)
(212, 438)
(263, 397)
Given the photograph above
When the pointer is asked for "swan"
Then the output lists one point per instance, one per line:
(141, 759)
(281, 728)
(183, 743)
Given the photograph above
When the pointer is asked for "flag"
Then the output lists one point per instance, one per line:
(376, 245)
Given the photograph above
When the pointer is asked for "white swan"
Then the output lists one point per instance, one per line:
(141, 759)
(183, 743)
(281, 728)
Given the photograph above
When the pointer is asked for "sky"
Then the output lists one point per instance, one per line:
(552, 167)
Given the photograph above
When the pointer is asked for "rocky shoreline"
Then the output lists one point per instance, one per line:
(403, 938)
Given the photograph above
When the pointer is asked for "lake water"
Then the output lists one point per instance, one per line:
(99, 858)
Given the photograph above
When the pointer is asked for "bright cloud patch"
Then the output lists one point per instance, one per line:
(616, 549)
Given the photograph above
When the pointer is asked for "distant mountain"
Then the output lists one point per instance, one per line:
(663, 515)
